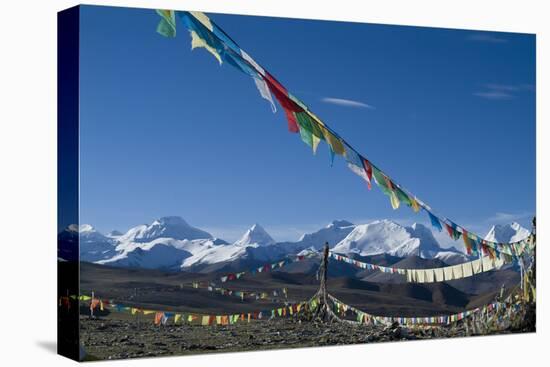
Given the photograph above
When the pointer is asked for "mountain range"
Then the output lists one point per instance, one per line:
(170, 243)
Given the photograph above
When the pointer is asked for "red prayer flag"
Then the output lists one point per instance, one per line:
(94, 303)
(286, 103)
(449, 230)
(158, 317)
(368, 169)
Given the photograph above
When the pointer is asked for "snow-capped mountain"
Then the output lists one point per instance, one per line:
(114, 234)
(255, 235)
(507, 233)
(171, 243)
(333, 233)
(94, 246)
(452, 256)
(152, 256)
(165, 227)
(255, 243)
(385, 236)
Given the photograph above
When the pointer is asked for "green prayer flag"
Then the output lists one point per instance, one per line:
(167, 25)
(304, 123)
(403, 197)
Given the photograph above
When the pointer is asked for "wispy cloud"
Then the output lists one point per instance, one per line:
(498, 92)
(347, 103)
(510, 87)
(494, 95)
(486, 37)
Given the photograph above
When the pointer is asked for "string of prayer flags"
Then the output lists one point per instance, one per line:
(163, 317)
(234, 55)
(263, 268)
(432, 275)
(366, 318)
(206, 34)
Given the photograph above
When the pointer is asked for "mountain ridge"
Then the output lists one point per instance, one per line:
(171, 243)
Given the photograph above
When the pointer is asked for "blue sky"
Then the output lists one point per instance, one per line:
(448, 114)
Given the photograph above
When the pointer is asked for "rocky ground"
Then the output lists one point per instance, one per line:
(116, 338)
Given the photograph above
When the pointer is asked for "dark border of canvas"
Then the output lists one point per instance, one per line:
(68, 23)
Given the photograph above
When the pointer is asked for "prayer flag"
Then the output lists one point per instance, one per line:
(159, 317)
(451, 229)
(167, 25)
(434, 220)
(368, 170)
(334, 143)
(281, 94)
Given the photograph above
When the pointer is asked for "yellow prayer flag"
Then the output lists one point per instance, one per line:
(148, 312)
(391, 192)
(197, 42)
(205, 320)
(177, 317)
(333, 141)
(394, 200)
(414, 205)
(314, 142)
(205, 21)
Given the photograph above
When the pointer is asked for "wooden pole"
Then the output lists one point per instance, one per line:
(323, 312)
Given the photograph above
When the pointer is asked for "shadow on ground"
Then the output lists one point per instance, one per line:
(48, 345)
